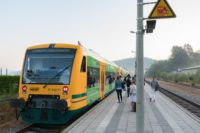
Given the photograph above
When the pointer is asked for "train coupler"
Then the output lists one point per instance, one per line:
(60, 105)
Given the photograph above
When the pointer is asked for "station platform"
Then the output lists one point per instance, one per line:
(161, 116)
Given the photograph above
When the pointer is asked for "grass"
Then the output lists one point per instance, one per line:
(8, 86)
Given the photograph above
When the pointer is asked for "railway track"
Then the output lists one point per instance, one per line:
(35, 128)
(188, 103)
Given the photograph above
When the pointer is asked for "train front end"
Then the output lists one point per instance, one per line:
(45, 83)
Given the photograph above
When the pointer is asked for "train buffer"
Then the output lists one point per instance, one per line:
(163, 116)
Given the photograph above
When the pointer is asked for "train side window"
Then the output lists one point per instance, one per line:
(92, 77)
(83, 65)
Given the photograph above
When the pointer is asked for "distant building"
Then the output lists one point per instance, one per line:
(193, 69)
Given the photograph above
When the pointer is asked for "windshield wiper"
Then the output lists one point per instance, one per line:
(29, 73)
(64, 69)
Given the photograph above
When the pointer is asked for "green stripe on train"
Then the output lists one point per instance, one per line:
(78, 95)
(79, 101)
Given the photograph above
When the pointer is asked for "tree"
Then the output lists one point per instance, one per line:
(195, 57)
(179, 58)
(188, 48)
(159, 66)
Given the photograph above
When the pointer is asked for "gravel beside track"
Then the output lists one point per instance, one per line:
(189, 93)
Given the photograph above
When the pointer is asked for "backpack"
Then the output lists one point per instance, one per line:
(128, 83)
(123, 86)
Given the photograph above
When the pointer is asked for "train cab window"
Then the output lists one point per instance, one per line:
(48, 66)
(83, 65)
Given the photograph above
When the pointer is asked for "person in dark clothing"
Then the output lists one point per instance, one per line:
(118, 88)
(155, 87)
(123, 84)
(128, 83)
(110, 80)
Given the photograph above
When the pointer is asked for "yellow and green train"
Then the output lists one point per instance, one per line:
(59, 81)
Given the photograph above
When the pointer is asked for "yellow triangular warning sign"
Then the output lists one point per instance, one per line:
(162, 10)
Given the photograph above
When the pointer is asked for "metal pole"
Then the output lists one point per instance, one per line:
(134, 62)
(139, 69)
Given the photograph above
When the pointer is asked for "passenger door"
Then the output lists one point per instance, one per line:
(102, 80)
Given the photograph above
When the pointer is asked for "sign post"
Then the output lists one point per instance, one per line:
(161, 10)
(139, 69)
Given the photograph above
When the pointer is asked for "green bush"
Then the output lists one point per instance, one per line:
(193, 78)
(175, 77)
(9, 84)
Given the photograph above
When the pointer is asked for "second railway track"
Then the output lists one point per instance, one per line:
(186, 103)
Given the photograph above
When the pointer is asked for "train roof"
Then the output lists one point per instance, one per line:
(97, 56)
(56, 45)
(88, 52)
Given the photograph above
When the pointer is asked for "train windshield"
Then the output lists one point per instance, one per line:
(48, 66)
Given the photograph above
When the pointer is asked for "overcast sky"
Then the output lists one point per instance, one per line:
(101, 25)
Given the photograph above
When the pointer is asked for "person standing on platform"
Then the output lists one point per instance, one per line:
(123, 84)
(128, 83)
(154, 88)
(132, 97)
(118, 88)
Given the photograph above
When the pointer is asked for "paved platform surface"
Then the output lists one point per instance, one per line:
(163, 116)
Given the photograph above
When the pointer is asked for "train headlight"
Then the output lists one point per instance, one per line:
(24, 89)
(65, 89)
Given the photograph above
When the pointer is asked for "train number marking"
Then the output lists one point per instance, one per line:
(34, 89)
(54, 89)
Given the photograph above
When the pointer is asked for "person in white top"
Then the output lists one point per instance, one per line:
(132, 97)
